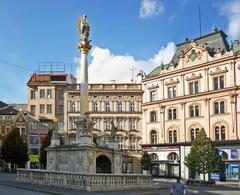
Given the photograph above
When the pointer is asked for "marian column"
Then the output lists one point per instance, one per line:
(84, 126)
(84, 47)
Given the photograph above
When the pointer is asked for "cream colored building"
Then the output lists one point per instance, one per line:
(198, 89)
(56, 97)
(109, 103)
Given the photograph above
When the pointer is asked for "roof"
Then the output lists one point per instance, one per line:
(213, 40)
(2, 105)
(37, 79)
(9, 110)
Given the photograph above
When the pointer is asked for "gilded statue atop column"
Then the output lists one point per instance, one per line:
(84, 29)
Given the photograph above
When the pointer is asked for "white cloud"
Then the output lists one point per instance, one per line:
(106, 66)
(150, 8)
(231, 9)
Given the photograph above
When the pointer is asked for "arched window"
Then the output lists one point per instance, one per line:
(220, 132)
(119, 106)
(153, 137)
(132, 106)
(172, 156)
(194, 133)
(153, 156)
(107, 106)
(172, 136)
(95, 106)
(153, 117)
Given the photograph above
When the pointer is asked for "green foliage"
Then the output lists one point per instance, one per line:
(14, 149)
(43, 153)
(203, 157)
(146, 161)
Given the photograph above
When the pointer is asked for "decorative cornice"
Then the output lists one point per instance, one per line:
(171, 82)
(193, 77)
(189, 68)
(218, 70)
(153, 86)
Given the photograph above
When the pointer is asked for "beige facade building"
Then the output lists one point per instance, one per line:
(198, 89)
(54, 99)
(58, 103)
(118, 104)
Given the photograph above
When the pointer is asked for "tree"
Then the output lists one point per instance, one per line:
(43, 153)
(203, 157)
(14, 149)
(146, 161)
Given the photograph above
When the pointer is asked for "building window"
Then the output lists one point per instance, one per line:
(219, 107)
(33, 94)
(107, 125)
(42, 108)
(49, 109)
(194, 111)
(193, 87)
(172, 92)
(120, 106)
(60, 125)
(153, 116)
(107, 106)
(42, 93)
(194, 133)
(153, 96)
(132, 124)
(72, 123)
(172, 156)
(172, 135)
(172, 113)
(120, 124)
(96, 124)
(120, 142)
(132, 106)
(61, 95)
(153, 137)
(220, 133)
(153, 156)
(127, 164)
(95, 107)
(72, 106)
(218, 82)
(49, 93)
(60, 109)
(33, 110)
(132, 143)
(34, 139)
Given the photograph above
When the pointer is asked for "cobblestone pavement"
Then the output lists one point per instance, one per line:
(9, 186)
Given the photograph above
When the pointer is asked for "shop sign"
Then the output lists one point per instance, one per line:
(215, 176)
(234, 154)
(34, 158)
(150, 148)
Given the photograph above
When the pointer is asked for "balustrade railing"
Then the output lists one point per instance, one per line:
(83, 181)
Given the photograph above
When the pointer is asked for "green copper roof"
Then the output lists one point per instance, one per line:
(213, 40)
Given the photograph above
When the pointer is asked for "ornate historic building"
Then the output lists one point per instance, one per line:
(54, 99)
(198, 89)
(118, 104)
(11, 118)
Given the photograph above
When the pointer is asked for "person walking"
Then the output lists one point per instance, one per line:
(178, 188)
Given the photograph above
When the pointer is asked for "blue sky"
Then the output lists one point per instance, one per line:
(124, 33)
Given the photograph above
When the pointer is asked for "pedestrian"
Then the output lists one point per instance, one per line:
(178, 188)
